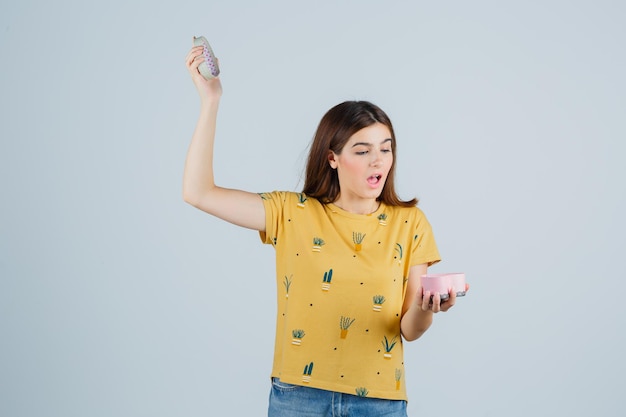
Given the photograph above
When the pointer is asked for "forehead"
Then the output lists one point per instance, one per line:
(372, 135)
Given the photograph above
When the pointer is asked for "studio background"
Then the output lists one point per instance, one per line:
(118, 299)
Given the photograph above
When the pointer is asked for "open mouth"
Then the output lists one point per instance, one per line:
(374, 179)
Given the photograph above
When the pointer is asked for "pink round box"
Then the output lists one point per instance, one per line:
(442, 283)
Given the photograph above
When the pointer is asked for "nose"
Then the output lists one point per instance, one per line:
(376, 159)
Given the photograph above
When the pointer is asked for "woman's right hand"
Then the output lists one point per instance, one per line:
(209, 90)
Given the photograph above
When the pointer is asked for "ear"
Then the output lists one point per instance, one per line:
(331, 159)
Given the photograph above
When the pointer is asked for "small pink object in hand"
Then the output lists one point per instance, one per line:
(443, 283)
(458, 283)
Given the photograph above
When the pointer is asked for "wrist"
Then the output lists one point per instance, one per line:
(209, 105)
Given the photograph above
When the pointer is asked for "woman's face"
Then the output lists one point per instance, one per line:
(364, 163)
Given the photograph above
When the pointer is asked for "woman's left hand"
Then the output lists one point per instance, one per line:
(423, 300)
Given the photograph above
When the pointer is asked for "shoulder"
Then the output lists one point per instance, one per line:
(412, 212)
(276, 196)
(409, 215)
(289, 199)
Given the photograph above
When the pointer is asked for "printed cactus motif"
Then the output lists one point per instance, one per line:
(297, 335)
(378, 302)
(287, 284)
(344, 325)
(382, 219)
(388, 345)
(398, 378)
(361, 392)
(306, 375)
(301, 200)
(357, 238)
(399, 252)
(317, 244)
(328, 276)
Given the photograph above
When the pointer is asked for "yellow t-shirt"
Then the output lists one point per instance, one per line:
(341, 281)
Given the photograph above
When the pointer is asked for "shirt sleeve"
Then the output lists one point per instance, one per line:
(274, 204)
(424, 249)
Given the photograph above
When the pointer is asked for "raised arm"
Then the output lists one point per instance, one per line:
(235, 206)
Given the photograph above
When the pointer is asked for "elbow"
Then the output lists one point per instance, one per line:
(409, 337)
(191, 197)
(188, 200)
(188, 197)
(412, 331)
(203, 199)
(412, 336)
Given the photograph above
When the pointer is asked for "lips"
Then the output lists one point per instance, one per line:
(374, 179)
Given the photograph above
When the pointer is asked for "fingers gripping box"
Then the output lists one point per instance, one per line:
(443, 283)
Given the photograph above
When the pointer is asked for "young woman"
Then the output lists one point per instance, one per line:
(349, 257)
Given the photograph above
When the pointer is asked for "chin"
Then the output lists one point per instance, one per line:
(374, 195)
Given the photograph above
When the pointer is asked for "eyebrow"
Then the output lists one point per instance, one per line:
(369, 144)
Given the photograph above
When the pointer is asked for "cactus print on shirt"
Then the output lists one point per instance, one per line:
(341, 279)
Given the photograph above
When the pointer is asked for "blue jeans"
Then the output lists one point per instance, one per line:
(288, 400)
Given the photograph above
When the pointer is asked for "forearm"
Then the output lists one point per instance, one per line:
(198, 179)
(415, 322)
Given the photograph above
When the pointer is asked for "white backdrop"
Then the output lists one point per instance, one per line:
(117, 299)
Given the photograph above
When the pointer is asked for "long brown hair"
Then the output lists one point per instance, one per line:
(333, 132)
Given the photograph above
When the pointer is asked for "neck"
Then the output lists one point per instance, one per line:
(357, 206)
